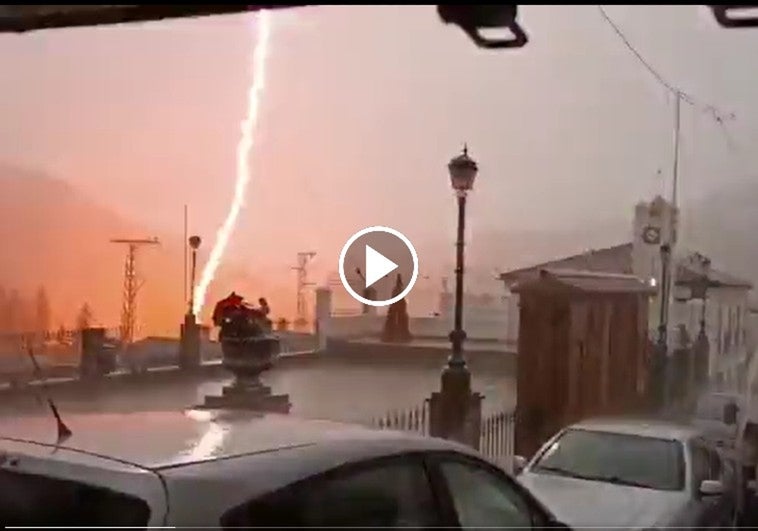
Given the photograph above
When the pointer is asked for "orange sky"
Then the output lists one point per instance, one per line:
(363, 109)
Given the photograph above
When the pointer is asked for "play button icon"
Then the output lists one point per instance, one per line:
(378, 266)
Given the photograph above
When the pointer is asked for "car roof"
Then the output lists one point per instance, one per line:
(165, 439)
(641, 426)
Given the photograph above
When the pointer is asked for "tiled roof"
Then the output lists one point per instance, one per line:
(585, 281)
(616, 259)
(717, 278)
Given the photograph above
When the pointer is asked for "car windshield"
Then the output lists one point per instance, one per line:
(615, 458)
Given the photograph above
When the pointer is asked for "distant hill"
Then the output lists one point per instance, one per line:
(53, 235)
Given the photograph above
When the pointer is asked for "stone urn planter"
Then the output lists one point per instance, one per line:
(249, 347)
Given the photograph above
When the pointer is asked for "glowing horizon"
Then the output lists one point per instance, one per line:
(244, 149)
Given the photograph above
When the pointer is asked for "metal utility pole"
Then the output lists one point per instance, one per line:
(303, 258)
(677, 127)
(672, 237)
(186, 239)
(131, 287)
(668, 270)
(667, 249)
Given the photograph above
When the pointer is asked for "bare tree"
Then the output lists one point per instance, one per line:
(14, 313)
(42, 324)
(3, 312)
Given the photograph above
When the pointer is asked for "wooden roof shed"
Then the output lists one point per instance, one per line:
(582, 350)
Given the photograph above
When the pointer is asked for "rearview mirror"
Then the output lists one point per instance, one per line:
(711, 487)
(519, 463)
(472, 18)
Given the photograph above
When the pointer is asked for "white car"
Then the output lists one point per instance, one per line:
(223, 470)
(632, 474)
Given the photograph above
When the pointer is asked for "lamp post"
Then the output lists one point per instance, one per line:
(701, 348)
(455, 412)
(663, 315)
(189, 355)
(194, 243)
(661, 364)
(463, 170)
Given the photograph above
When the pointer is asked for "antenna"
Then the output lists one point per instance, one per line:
(303, 258)
(186, 256)
(131, 287)
(63, 431)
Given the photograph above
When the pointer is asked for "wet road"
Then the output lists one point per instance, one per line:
(337, 391)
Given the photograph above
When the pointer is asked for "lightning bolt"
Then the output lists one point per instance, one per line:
(244, 149)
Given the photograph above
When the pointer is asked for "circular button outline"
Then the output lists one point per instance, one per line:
(408, 287)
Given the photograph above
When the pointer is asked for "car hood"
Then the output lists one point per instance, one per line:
(595, 504)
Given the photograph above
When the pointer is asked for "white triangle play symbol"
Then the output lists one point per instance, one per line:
(377, 266)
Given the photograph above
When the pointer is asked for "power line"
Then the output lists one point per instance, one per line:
(716, 114)
(637, 54)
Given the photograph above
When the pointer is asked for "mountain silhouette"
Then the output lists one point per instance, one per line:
(53, 235)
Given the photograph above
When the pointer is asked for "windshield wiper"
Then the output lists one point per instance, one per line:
(619, 481)
(615, 480)
(562, 472)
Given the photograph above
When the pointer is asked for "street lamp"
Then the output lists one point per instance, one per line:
(194, 243)
(455, 412)
(664, 297)
(701, 350)
(463, 171)
(660, 366)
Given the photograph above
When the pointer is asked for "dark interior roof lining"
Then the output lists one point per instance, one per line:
(22, 18)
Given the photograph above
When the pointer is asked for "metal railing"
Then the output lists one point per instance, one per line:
(496, 434)
(496, 438)
(415, 420)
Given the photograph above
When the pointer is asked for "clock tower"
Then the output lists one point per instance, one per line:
(655, 224)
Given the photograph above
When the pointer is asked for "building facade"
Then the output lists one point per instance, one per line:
(725, 308)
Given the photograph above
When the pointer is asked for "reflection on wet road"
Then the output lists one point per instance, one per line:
(333, 391)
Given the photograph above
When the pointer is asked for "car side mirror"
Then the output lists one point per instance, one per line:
(519, 464)
(711, 487)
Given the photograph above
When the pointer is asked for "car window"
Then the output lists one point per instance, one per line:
(30, 500)
(484, 499)
(394, 493)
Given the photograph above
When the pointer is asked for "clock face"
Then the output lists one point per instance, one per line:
(651, 235)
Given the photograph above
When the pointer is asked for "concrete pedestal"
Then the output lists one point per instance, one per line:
(455, 411)
(189, 349)
(249, 395)
(247, 357)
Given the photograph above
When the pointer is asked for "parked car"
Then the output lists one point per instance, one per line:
(632, 474)
(226, 470)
